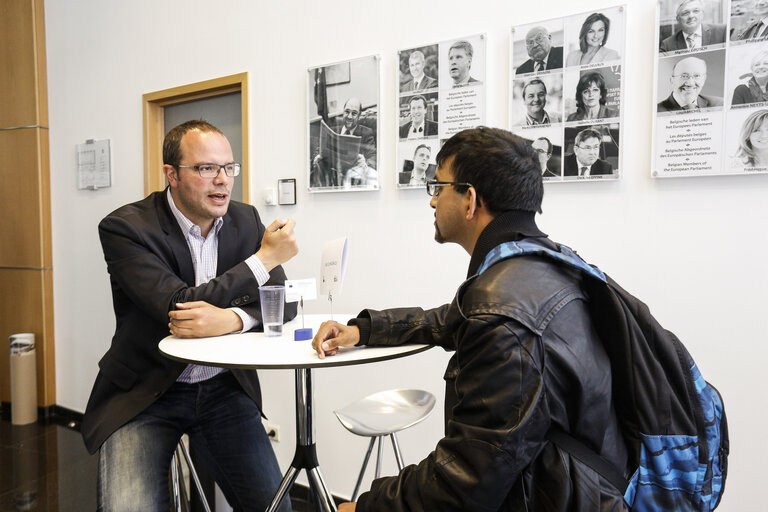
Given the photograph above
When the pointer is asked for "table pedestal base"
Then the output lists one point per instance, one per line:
(306, 455)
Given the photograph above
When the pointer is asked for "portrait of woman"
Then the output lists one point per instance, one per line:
(753, 140)
(592, 38)
(590, 99)
(754, 90)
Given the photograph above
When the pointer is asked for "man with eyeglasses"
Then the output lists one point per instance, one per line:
(361, 170)
(585, 160)
(693, 32)
(544, 149)
(538, 44)
(186, 261)
(688, 78)
(526, 355)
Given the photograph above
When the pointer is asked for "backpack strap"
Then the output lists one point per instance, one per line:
(523, 247)
(562, 439)
(588, 456)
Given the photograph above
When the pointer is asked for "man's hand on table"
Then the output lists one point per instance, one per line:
(333, 335)
(347, 507)
(199, 319)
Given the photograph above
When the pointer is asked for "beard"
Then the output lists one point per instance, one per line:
(439, 238)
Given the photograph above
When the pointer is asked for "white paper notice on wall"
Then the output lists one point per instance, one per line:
(332, 266)
(94, 169)
(300, 289)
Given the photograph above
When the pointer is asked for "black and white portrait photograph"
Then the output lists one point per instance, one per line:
(691, 82)
(547, 145)
(592, 152)
(595, 37)
(593, 93)
(747, 141)
(749, 21)
(343, 107)
(689, 25)
(462, 62)
(537, 47)
(419, 69)
(567, 78)
(747, 75)
(537, 100)
(418, 116)
(416, 163)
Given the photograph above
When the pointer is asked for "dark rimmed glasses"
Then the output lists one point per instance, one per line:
(213, 170)
(434, 186)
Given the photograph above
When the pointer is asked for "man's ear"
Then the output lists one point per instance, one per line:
(171, 174)
(474, 203)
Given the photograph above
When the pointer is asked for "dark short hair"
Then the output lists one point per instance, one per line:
(535, 81)
(592, 18)
(421, 146)
(585, 134)
(418, 97)
(550, 146)
(462, 45)
(172, 143)
(501, 166)
(584, 83)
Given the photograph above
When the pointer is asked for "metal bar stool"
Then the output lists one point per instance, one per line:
(382, 414)
(178, 488)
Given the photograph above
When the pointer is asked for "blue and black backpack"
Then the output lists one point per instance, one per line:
(673, 421)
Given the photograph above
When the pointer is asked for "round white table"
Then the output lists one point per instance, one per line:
(253, 350)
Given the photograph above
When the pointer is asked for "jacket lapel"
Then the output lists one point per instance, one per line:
(227, 245)
(175, 239)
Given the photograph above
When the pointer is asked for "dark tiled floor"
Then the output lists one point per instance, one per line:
(47, 468)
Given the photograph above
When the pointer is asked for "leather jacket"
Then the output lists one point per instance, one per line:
(526, 357)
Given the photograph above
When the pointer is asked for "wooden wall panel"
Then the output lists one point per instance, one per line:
(26, 277)
(21, 199)
(27, 305)
(23, 101)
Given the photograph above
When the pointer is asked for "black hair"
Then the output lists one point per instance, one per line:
(501, 166)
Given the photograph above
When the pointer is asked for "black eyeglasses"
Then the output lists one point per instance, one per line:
(433, 186)
(213, 170)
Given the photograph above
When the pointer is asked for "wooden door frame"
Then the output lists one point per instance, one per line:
(154, 104)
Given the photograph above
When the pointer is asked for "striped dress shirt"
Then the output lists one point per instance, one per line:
(205, 255)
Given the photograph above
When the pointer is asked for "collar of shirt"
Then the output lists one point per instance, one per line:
(531, 121)
(187, 225)
(581, 166)
(463, 82)
(696, 35)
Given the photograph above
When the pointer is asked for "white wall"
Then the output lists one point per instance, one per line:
(691, 248)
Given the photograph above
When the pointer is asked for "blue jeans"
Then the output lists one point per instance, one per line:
(224, 426)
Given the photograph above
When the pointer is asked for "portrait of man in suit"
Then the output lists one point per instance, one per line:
(542, 55)
(544, 149)
(758, 29)
(460, 64)
(688, 77)
(693, 32)
(585, 160)
(419, 126)
(187, 260)
(419, 80)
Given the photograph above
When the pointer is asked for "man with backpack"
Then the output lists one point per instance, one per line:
(535, 418)
(526, 354)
